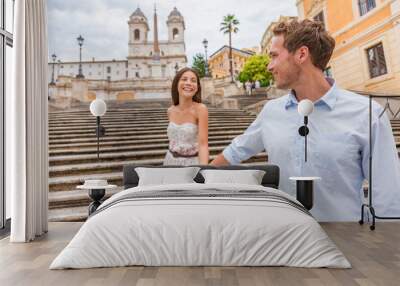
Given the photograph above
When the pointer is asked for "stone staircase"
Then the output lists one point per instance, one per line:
(135, 133)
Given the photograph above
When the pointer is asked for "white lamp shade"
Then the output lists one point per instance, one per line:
(305, 107)
(98, 107)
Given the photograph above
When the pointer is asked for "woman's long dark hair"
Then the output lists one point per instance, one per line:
(174, 89)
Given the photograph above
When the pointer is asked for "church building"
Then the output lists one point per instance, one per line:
(157, 59)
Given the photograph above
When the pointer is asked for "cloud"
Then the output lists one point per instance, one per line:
(103, 24)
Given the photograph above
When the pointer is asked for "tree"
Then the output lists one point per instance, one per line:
(229, 26)
(199, 64)
(254, 69)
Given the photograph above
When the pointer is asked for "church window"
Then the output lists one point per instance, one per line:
(137, 34)
(108, 78)
(365, 6)
(376, 61)
(126, 74)
(175, 33)
(320, 18)
(137, 74)
(108, 69)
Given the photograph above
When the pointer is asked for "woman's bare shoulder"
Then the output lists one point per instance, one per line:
(201, 107)
(171, 109)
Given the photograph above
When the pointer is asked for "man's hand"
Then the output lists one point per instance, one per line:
(219, 161)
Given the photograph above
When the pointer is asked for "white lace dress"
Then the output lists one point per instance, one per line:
(183, 144)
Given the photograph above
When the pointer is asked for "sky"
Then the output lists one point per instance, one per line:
(103, 24)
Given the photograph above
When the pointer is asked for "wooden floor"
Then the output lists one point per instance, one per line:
(374, 255)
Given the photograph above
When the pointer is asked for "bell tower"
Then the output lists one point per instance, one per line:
(138, 27)
(176, 26)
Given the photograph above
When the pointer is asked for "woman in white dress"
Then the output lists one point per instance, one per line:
(188, 122)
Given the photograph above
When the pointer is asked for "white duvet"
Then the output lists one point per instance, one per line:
(205, 231)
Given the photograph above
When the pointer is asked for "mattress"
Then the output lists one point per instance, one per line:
(201, 225)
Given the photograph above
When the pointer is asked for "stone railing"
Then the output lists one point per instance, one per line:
(389, 101)
(256, 108)
(86, 90)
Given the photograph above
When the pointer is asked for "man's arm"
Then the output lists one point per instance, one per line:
(220, 161)
(243, 146)
(385, 168)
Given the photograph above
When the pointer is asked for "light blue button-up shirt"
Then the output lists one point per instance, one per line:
(338, 152)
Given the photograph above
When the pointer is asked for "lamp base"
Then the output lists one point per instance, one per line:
(305, 190)
(305, 193)
(96, 195)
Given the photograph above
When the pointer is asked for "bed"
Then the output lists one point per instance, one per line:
(201, 224)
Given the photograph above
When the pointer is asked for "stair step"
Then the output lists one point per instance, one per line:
(123, 131)
(124, 136)
(86, 158)
(69, 214)
(143, 125)
(96, 167)
(127, 147)
(65, 183)
(84, 131)
(123, 141)
(75, 198)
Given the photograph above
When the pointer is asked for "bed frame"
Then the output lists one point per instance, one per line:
(270, 179)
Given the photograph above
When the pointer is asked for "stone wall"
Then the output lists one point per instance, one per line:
(84, 90)
(217, 92)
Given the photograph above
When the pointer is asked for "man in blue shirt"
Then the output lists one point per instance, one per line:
(338, 142)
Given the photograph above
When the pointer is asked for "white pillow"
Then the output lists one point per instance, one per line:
(248, 177)
(166, 176)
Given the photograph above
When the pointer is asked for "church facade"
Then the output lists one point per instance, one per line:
(153, 60)
(156, 58)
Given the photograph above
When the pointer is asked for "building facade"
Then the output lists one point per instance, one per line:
(367, 34)
(218, 62)
(145, 59)
(267, 36)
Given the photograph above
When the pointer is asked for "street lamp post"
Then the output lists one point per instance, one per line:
(98, 108)
(80, 40)
(54, 57)
(58, 67)
(205, 44)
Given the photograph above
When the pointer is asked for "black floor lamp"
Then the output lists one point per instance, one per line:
(305, 185)
(369, 206)
(98, 108)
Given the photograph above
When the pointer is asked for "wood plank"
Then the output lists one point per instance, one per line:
(374, 255)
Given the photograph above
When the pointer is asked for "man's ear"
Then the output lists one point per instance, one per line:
(302, 54)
